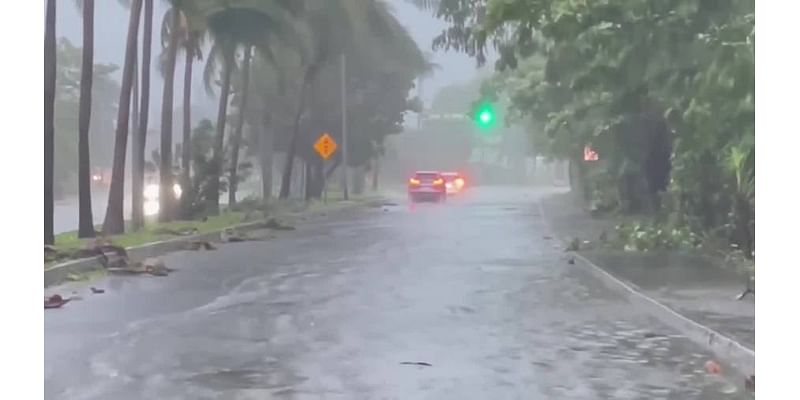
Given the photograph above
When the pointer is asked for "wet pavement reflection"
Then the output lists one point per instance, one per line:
(462, 300)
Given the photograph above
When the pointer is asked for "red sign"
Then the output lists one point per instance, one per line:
(589, 154)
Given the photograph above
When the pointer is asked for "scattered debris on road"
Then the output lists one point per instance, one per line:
(712, 367)
(177, 232)
(417, 363)
(571, 261)
(97, 291)
(274, 224)
(75, 277)
(749, 288)
(156, 266)
(200, 245)
(651, 335)
(231, 236)
(151, 266)
(97, 248)
(55, 301)
(547, 237)
(113, 257)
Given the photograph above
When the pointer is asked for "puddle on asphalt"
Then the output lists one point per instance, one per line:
(229, 379)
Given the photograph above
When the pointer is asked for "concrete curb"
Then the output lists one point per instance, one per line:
(727, 350)
(58, 273)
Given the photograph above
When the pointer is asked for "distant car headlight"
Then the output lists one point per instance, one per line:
(151, 192)
(151, 207)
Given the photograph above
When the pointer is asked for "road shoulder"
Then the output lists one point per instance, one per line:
(85, 269)
(689, 293)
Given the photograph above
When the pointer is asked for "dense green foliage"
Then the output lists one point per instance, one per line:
(664, 91)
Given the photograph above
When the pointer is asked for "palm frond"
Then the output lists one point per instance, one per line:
(211, 69)
(166, 26)
(425, 4)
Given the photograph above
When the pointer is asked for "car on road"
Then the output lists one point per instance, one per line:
(427, 186)
(101, 177)
(453, 182)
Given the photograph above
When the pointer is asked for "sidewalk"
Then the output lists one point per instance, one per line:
(694, 286)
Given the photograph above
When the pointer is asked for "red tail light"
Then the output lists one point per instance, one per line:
(438, 182)
(413, 182)
(459, 183)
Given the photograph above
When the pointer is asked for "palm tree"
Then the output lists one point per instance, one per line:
(353, 27)
(268, 101)
(223, 50)
(139, 140)
(166, 176)
(191, 46)
(237, 133)
(190, 39)
(85, 220)
(49, 117)
(249, 24)
(114, 222)
(265, 152)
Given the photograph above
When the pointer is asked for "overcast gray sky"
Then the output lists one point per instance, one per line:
(111, 22)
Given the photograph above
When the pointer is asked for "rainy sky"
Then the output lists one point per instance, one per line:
(111, 21)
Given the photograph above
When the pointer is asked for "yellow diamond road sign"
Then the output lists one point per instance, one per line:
(325, 146)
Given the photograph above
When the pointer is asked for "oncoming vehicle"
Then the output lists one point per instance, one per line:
(152, 193)
(453, 182)
(427, 186)
(101, 177)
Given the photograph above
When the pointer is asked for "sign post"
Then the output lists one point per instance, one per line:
(344, 127)
(325, 146)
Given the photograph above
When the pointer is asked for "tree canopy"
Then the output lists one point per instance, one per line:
(664, 91)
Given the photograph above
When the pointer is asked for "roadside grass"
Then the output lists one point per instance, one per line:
(245, 211)
(155, 231)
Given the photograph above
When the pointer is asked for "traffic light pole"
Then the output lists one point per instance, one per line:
(344, 127)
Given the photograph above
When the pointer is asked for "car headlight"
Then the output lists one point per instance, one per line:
(151, 192)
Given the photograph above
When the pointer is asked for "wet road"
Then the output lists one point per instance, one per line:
(334, 310)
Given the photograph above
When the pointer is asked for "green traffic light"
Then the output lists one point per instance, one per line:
(485, 116)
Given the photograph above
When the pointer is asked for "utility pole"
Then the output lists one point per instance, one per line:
(344, 128)
(421, 111)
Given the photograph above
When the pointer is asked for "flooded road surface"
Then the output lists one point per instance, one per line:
(464, 300)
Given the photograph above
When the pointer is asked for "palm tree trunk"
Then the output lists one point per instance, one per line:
(219, 140)
(135, 105)
(85, 220)
(186, 143)
(140, 135)
(237, 133)
(265, 143)
(114, 222)
(166, 193)
(286, 181)
(375, 172)
(49, 117)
